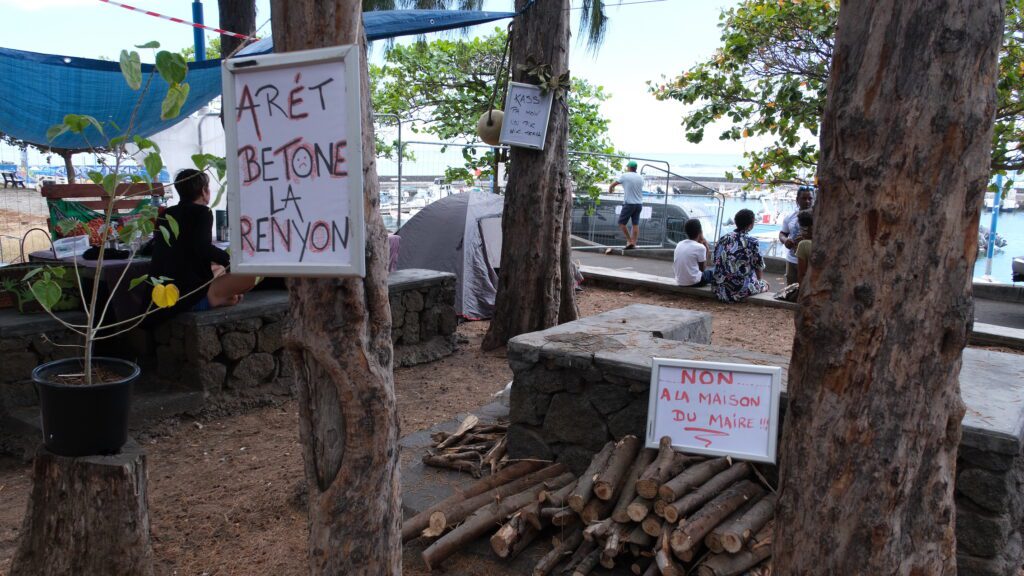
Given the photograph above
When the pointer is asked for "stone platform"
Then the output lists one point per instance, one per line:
(581, 384)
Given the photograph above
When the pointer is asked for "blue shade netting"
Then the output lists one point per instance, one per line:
(38, 90)
(393, 23)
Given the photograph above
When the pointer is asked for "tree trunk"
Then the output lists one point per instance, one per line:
(873, 422)
(236, 16)
(340, 343)
(535, 288)
(69, 167)
(86, 516)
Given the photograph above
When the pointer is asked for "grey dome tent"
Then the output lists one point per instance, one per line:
(460, 234)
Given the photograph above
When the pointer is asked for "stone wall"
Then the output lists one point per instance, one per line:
(221, 354)
(580, 384)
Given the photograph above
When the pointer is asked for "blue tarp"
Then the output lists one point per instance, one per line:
(37, 90)
(392, 23)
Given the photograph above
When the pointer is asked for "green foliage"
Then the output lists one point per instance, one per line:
(448, 84)
(212, 50)
(131, 68)
(769, 78)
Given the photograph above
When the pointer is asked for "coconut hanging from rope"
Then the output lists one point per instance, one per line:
(489, 127)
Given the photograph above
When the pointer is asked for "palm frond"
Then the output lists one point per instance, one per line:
(594, 22)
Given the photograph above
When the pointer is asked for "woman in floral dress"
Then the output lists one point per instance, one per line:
(738, 262)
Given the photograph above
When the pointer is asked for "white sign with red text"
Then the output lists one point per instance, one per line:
(715, 408)
(294, 154)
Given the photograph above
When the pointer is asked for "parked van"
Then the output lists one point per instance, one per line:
(599, 222)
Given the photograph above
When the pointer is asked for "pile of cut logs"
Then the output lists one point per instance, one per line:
(473, 447)
(653, 511)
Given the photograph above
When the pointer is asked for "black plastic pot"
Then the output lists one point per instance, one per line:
(83, 420)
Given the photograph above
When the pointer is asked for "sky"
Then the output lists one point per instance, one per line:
(645, 41)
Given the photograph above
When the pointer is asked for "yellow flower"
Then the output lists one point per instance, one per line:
(165, 295)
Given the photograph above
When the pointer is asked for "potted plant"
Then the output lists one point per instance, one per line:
(85, 400)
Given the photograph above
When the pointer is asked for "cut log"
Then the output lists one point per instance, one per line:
(733, 535)
(641, 537)
(640, 565)
(713, 540)
(628, 493)
(663, 555)
(596, 510)
(587, 565)
(452, 464)
(597, 531)
(494, 456)
(690, 534)
(652, 569)
(412, 527)
(609, 479)
(638, 509)
(657, 472)
(482, 520)
(531, 513)
(582, 552)
(617, 538)
(558, 498)
(707, 491)
(652, 525)
(443, 518)
(461, 431)
(736, 564)
(513, 536)
(563, 532)
(648, 488)
(555, 556)
(564, 516)
(585, 485)
(691, 478)
(86, 515)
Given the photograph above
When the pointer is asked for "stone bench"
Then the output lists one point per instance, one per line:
(580, 384)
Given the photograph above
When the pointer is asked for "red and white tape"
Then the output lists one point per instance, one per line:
(178, 20)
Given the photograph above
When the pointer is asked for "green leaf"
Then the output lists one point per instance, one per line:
(32, 273)
(153, 164)
(150, 44)
(54, 131)
(77, 123)
(166, 235)
(171, 66)
(173, 101)
(136, 281)
(110, 184)
(57, 271)
(46, 292)
(116, 142)
(144, 143)
(96, 177)
(173, 224)
(131, 69)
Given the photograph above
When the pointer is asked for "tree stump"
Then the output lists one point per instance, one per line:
(86, 515)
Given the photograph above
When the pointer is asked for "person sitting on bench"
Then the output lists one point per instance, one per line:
(739, 267)
(690, 257)
(191, 260)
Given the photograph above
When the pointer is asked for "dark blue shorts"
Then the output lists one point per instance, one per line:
(202, 306)
(630, 212)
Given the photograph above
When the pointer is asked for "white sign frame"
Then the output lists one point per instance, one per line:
(349, 57)
(547, 100)
(654, 432)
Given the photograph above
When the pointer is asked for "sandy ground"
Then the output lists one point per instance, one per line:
(223, 492)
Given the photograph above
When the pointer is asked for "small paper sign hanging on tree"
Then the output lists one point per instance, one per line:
(527, 109)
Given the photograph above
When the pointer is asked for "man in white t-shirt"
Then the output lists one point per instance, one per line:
(632, 202)
(690, 257)
(791, 230)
